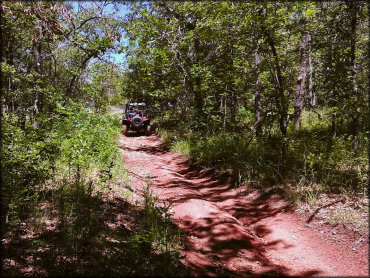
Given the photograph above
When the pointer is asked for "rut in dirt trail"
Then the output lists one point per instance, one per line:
(231, 232)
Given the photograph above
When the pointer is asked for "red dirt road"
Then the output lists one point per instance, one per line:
(234, 233)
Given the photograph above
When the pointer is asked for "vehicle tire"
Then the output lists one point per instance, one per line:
(147, 129)
(124, 129)
(137, 121)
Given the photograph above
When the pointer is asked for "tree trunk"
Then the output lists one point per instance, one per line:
(312, 94)
(37, 56)
(74, 77)
(281, 103)
(334, 125)
(353, 6)
(257, 96)
(301, 81)
(197, 91)
(224, 113)
(229, 65)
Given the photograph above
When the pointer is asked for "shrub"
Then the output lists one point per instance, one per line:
(28, 158)
(77, 148)
(313, 157)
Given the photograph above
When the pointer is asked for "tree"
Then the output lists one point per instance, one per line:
(271, 60)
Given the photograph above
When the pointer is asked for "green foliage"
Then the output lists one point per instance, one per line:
(59, 160)
(75, 148)
(28, 158)
(62, 173)
(234, 73)
(161, 235)
(87, 143)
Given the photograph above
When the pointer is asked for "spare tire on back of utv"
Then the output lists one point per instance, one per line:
(137, 121)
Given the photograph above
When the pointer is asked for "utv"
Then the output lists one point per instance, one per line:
(135, 118)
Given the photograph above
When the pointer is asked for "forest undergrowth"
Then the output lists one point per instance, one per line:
(320, 174)
(67, 210)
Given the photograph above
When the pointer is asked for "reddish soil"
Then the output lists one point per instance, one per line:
(234, 232)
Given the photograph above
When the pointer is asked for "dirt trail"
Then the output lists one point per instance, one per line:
(229, 232)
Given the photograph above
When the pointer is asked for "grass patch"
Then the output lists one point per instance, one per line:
(317, 165)
(182, 147)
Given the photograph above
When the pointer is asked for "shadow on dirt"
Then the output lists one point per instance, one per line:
(135, 134)
(153, 150)
(224, 243)
(220, 223)
(99, 238)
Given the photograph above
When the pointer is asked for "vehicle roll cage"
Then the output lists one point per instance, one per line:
(136, 104)
(131, 107)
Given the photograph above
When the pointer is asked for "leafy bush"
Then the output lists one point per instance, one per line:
(76, 148)
(28, 158)
(87, 144)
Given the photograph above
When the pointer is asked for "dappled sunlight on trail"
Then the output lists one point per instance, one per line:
(228, 231)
